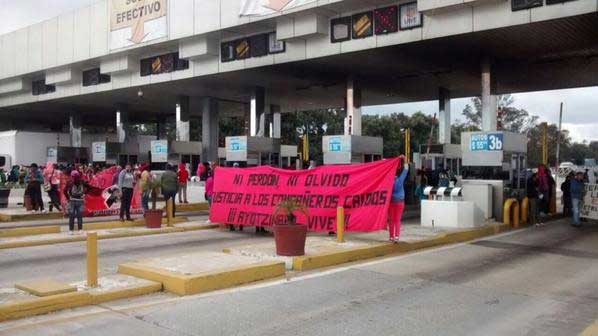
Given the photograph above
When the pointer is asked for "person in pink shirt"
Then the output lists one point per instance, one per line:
(52, 178)
(209, 189)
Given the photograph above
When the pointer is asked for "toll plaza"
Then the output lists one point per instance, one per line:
(79, 87)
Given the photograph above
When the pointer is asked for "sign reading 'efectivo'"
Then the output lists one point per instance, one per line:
(137, 21)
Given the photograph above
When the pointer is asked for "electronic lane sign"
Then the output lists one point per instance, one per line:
(486, 142)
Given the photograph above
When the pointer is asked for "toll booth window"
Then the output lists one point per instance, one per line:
(94, 77)
(162, 64)
(39, 87)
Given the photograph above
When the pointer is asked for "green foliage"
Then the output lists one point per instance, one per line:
(317, 123)
(233, 126)
(512, 119)
(289, 208)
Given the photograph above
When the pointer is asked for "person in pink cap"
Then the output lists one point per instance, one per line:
(75, 195)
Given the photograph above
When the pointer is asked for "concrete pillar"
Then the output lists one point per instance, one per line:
(122, 122)
(444, 116)
(275, 129)
(209, 129)
(182, 119)
(353, 120)
(75, 130)
(257, 108)
(488, 101)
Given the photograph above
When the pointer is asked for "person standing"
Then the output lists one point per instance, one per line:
(144, 179)
(51, 184)
(126, 184)
(543, 189)
(74, 192)
(210, 191)
(183, 176)
(577, 191)
(35, 179)
(169, 184)
(397, 202)
(532, 196)
(566, 190)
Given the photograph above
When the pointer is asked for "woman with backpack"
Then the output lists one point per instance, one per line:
(51, 185)
(75, 195)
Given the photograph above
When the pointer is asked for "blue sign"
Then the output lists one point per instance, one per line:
(237, 144)
(486, 142)
(335, 144)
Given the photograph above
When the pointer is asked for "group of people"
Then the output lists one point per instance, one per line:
(573, 192)
(540, 188)
(76, 181)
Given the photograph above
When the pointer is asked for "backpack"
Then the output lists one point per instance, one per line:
(77, 191)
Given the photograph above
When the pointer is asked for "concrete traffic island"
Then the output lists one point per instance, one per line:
(127, 229)
(323, 251)
(203, 271)
(17, 303)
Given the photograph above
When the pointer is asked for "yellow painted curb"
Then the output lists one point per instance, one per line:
(203, 282)
(43, 305)
(119, 224)
(45, 287)
(332, 258)
(199, 227)
(30, 216)
(591, 330)
(191, 207)
(29, 231)
(72, 239)
(125, 293)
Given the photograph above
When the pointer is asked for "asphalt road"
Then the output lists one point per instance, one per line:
(539, 281)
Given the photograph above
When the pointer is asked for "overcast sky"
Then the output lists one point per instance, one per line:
(580, 111)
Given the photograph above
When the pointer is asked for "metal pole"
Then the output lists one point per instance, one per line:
(340, 224)
(544, 143)
(558, 138)
(169, 208)
(92, 259)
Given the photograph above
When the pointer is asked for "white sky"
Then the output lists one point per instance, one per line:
(580, 114)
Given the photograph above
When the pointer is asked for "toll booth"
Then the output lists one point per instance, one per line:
(67, 155)
(175, 152)
(497, 159)
(185, 152)
(347, 149)
(115, 153)
(449, 156)
(250, 151)
(288, 156)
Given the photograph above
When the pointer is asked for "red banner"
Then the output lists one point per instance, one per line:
(248, 196)
(103, 197)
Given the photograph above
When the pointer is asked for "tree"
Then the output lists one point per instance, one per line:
(391, 129)
(534, 145)
(511, 118)
(316, 123)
